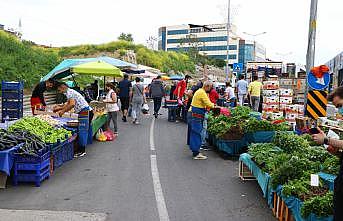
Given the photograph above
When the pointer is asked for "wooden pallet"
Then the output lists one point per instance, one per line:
(244, 172)
(280, 210)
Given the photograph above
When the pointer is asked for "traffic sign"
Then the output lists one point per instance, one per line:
(316, 104)
(318, 83)
(237, 67)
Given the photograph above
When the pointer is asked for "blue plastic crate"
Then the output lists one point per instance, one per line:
(68, 149)
(36, 176)
(57, 155)
(12, 104)
(17, 95)
(12, 85)
(43, 155)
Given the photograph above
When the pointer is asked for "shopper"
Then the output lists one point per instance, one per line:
(214, 96)
(254, 91)
(77, 101)
(190, 95)
(157, 93)
(138, 99)
(242, 90)
(172, 89)
(112, 107)
(335, 147)
(230, 95)
(95, 90)
(37, 98)
(125, 88)
(179, 93)
(200, 103)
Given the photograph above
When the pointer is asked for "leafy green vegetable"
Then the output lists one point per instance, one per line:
(290, 142)
(253, 125)
(331, 165)
(321, 206)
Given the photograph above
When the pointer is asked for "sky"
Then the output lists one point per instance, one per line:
(73, 22)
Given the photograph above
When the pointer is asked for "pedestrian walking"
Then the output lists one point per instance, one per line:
(230, 95)
(254, 91)
(179, 92)
(112, 107)
(200, 104)
(125, 88)
(242, 90)
(157, 93)
(138, 99)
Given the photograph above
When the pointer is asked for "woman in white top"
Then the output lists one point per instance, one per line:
(230, 95)
(112, 107)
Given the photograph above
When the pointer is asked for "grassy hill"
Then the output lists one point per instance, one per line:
(23, 60)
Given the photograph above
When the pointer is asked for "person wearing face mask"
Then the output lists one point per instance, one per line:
(336, 148)
(200, 104)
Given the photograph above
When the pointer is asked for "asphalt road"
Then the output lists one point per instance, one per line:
(115, 178)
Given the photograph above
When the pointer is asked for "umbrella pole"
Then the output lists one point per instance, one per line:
(104, 83)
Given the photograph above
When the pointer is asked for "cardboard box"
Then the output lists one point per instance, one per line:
(272, 100)
(270, 107)
(272, 85)
(291, 108)
(271, 93)
(275, 116)
(286, 100)
(285, 92)
(286, 82)
(291, 116)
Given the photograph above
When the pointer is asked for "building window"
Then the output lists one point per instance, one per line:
(178, 32)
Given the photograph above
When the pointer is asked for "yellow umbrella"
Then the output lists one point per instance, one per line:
(98, 68)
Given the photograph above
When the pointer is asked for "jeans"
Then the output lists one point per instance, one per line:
(189, 128)
(112, 116)
(241, 98)
(136, 109)
(157, 104)
(255, 103)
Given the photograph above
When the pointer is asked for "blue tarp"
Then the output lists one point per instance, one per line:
(329, 179)
(232, 147)
(7, 159)
(261, 137)
(63, 69)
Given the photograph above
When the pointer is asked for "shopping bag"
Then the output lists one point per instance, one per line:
(109, 135)
(145, 107)
(100, 136)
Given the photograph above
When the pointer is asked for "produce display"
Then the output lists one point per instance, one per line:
(50, 120)
(31, 144)
(40, 128)
(290, 160)
(241, 122)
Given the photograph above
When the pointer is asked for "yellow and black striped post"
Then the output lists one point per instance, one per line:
(316, 104)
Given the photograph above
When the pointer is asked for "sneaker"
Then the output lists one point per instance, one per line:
(200, 156)
(137, 122)
(124, 119)
(80, 155)
(156, 115)
(134, 121)
(205, 148)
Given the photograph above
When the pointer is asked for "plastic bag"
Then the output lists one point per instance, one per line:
(100, 136)
(145, 107)
(109, 135)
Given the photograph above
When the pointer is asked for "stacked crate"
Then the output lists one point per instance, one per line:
(271, 100)
(298, 85)
(12, 100)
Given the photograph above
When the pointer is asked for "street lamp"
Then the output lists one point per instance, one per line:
(228, 42)
(254, 37)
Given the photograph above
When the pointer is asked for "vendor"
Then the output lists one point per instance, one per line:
(199, 105)
(335, 147)
(77, 101)
(37, 98)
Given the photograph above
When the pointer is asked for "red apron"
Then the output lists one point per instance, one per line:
(35, 102)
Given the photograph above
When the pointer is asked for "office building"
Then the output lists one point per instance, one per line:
(210, 40)
(336, 69)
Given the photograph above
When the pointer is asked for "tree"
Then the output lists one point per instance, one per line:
(125, 37)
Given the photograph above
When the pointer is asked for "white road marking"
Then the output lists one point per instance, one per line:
(161, 204)
(152, 143)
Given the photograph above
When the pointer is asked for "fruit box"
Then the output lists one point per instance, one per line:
(284, 92)
(270, 93)
(271, 100)
(271, 85)
(277, 115)
(290, 108)
(286, 100)
(291, 116)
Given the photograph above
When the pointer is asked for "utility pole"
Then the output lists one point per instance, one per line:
(311, 48)
(228, 42)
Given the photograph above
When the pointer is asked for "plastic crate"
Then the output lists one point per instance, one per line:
(12, 86)
(68, 149)
(31, 172)
(12, 104)
(57, 155)
(17, 95)
(43, 155)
